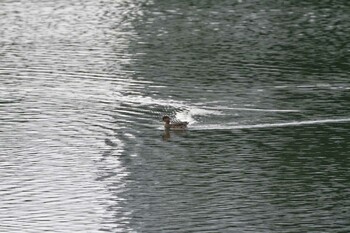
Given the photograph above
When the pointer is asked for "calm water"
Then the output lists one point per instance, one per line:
(265, 87)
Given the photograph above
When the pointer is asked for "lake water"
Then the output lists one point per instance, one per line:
(265, 87)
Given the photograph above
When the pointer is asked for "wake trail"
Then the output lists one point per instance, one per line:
(268, 125)
(259, 109)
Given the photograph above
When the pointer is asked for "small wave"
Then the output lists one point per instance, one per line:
(268, 125)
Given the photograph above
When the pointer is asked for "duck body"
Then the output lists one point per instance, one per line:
(176, 126)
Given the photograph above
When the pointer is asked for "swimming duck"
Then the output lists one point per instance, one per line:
(177, 125)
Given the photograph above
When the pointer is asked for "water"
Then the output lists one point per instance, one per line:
(264, 85)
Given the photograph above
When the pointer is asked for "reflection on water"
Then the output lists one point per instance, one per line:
(169, 134)
(264, 86)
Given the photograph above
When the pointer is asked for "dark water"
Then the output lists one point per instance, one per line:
(264, 85)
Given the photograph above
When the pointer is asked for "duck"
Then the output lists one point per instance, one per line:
(175, 126)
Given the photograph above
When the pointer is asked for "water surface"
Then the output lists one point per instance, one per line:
(264, 85)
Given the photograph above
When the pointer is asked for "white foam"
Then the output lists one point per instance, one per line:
(187, 115)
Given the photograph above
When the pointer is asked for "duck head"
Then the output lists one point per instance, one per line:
(166, 119)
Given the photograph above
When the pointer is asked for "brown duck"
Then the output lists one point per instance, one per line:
(175, 126)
